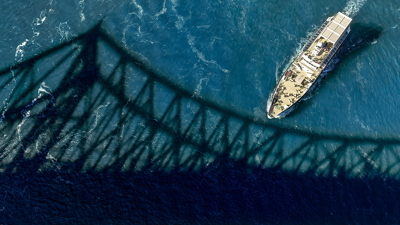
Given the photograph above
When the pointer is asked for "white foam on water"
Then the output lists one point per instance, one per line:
(121, 137)
(64, 31)
(200, 55)
(124, 34)
(353, 6)
(27, 111)
(269, 101)
(276, 71)
(19, 53)
(38, 21)
(163, 10)
(82, 6)
(180, 26)
(97, 117)
(46, 90)
(363, 126)
(181, 21)
(199, 86)
(139, 8)
(134, 26)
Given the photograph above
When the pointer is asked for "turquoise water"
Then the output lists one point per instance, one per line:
(256, 44)
(89, 129)
(234, 51)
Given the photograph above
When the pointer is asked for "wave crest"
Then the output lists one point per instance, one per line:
(353, 6)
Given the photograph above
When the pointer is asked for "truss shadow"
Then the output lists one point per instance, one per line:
(89, 104)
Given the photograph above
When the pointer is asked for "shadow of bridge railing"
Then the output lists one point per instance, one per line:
(89, 103)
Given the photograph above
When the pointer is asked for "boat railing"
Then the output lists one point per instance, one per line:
(333, 51)
(315, 35)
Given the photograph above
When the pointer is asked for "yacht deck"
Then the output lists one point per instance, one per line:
(306, 68)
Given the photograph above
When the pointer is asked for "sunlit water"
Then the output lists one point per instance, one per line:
(230, 53)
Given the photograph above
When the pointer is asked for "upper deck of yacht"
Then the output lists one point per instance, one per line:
(309, 64)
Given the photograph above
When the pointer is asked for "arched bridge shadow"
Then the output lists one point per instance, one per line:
(89, 104)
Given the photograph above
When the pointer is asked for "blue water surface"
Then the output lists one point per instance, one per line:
(154, 112)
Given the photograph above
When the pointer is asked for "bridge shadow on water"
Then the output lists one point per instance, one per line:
(105, 137)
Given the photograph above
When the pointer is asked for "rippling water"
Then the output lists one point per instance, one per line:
(71, 153)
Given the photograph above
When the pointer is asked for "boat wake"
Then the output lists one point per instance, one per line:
(353, 6)
(269, 101)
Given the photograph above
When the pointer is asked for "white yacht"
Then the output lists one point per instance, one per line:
(309, 64)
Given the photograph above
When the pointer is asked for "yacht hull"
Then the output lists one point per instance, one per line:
(306, 69)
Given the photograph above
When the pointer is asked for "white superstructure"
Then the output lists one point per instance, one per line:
(309, 64)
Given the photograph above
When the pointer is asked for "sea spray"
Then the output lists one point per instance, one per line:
(353, 6)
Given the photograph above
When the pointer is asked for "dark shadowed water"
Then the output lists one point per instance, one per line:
(153, 112)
